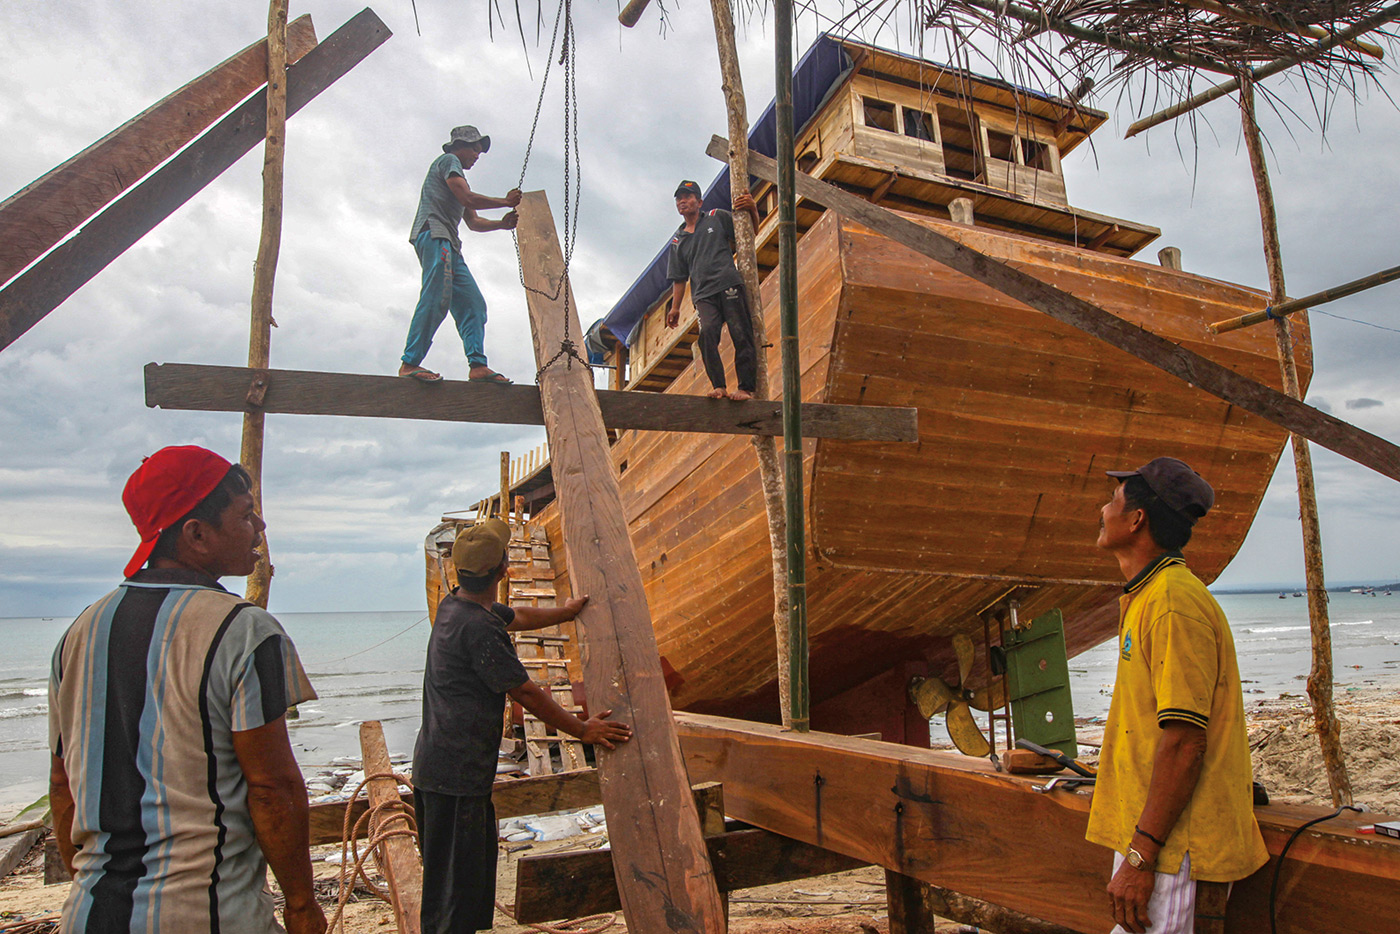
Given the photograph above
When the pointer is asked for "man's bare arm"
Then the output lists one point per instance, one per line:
(278, 806)
(673, 314)
(477, 202)
(62, 808)
(1176, 768)
(597, 730)
(538, 617)
(479, 224)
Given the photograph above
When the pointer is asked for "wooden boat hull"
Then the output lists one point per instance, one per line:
(1019, 417)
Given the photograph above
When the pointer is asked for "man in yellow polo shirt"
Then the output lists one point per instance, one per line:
(1174, 798)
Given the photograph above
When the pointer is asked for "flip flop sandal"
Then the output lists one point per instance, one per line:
(493, 378)
(423, 375)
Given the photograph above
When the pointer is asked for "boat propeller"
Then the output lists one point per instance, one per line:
(934, 695)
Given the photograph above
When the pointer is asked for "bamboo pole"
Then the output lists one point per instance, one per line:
(1359, 28)
(1307, 301)
(765, 447)
(269, 244)
(783, 17)
(1320, 677)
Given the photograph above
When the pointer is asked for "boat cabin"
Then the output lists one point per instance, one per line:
(907, 134)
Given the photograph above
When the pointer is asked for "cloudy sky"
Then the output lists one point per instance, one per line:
(349, 500)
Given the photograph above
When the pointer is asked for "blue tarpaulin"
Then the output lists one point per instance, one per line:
(821, 69)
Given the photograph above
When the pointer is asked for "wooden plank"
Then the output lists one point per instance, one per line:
(1330, 432)
(47, 209)
(189, 386)
(950, 820)
(400, 863)
(571, 885)
(14, 848)
(662, 867)
(50, 281)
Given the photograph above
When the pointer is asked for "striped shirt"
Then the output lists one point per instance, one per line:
(148, 687)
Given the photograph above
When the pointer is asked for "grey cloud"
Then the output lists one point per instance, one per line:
(1364, 403)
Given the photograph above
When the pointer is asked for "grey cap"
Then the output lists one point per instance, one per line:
(467, 134)
(1176, 484)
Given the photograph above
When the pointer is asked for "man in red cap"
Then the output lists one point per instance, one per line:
(173, 783)
(1174, 797)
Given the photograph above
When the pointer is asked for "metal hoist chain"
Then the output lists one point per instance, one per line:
(573, 176)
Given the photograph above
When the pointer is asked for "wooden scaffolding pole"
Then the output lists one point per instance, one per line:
(765, 448)
(398, 854)
(264, 273)
(1320, 677)
(661, 862)
(504, 595)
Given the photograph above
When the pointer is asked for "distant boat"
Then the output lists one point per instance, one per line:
(1283, 596)
(1297, 593)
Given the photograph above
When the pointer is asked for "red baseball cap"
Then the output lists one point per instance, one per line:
(166, 486)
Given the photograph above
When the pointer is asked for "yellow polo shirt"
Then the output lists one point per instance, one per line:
(1176, 661)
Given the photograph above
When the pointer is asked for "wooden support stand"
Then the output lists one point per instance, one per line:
(1261, 400)
(401, 865)
(954, 822)
(662, 866)
(298, 392)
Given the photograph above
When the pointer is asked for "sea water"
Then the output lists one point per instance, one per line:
(369, 666)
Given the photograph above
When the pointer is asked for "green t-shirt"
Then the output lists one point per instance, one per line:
(438, 208)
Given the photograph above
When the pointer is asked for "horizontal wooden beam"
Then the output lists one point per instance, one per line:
(300, 392)
(49, 208)
(953, 821)
(570, 885)
(50, 281)
(1264, 401)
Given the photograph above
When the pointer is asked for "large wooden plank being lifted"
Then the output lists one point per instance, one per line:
(660, 861)
(49, 282)
(47, 209)
(300, 392)
(952, 821)
(1329, 431)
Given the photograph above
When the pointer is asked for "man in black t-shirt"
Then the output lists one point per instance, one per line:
(703, 252)
(471, 667)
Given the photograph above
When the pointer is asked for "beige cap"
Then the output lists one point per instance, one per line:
(479, 548)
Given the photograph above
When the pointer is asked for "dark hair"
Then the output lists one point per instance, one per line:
(473, 583)
(1168, 528)
(235, 483)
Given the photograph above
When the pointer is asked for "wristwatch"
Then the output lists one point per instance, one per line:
(1137, 860)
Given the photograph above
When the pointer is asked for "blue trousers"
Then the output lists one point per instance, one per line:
(448, 286)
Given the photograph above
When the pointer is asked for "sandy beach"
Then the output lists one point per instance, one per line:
(1285, 759)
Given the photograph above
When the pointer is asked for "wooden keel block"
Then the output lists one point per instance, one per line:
(952, 821)
(568, 885)
(402, 867)
(661, 864)
(1296, 416)
(300, 392)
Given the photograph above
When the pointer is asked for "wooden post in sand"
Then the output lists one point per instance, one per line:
(1329, 730)
(400, 863)
(765, 448)
(269, 245)
(661, 862)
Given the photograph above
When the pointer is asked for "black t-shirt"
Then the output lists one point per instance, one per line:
(471, 665)
(705, 257)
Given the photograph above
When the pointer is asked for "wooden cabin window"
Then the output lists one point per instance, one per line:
(1001, 146)
(919, 125)
(959, 141)
(1038, 155)
(879, 114)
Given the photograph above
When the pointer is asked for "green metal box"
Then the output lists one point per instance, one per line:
(1037, 681)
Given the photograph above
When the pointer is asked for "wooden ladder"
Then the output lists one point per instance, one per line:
(543, 652)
